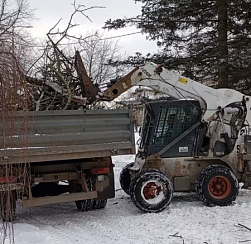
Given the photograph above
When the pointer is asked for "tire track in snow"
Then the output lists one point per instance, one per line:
(57, 237)
(73, 227)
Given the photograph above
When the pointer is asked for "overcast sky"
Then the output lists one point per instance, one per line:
(48, 12)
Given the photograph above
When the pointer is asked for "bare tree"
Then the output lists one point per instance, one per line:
(14, 20)
(96, 51)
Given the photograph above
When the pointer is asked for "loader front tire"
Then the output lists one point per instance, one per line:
(151, 191)
(217, 185)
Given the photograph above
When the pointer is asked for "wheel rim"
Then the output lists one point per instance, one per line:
(152, 192)
(219, 187)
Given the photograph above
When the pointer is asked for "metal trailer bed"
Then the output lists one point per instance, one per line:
(61, 135)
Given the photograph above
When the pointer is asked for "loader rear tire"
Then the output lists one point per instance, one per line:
(217, 185)
(125, 179)
(151, 191)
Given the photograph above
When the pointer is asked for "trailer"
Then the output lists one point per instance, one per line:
(51, 157)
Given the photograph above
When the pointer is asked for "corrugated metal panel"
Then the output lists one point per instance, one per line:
(44, 133)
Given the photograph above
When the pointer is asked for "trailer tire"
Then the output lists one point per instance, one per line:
(86, 204)
(151, 191)
(217, 185)
(8, 205)
(125, 179)
(99, 203)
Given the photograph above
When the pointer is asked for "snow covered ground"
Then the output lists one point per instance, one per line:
(186, 220)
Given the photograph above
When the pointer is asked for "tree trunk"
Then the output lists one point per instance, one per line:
(222, 44)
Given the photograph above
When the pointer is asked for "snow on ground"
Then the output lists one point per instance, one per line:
(26, 233)
(186, 220)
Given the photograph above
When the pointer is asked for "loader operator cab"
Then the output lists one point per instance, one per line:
(174, 129)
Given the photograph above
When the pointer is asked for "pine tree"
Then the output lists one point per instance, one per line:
(203, 39)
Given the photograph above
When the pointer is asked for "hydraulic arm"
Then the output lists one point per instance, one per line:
(174, 85)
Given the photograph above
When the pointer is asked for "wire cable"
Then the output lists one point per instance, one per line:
(101, 39)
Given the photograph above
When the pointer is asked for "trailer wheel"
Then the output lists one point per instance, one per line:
(87, 204)
(125, 179)
(99, 203)
(217, 185)
(8, 205)
(84, 205)
(151, 191)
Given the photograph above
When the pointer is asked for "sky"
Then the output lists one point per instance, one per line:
(48, 12)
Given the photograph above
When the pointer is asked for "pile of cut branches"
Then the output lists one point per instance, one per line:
(57, 79)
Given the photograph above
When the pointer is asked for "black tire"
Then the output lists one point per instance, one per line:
(99, 203)
(125, 179)
(142, 187)
(8, 206)
(197, 184)
(87, 204)
(217, 185)
(84, 205)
